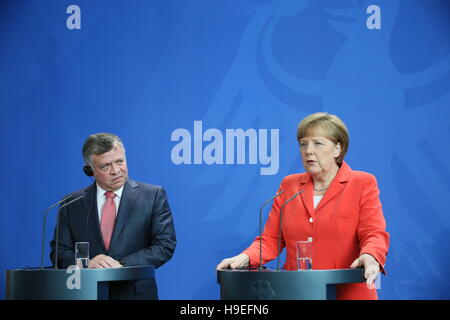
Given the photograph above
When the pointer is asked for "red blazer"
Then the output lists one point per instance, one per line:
(346, 223)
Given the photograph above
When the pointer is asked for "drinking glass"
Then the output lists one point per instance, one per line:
(82, 254)
(304, 256)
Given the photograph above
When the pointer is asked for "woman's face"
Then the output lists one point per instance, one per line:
(318, 153)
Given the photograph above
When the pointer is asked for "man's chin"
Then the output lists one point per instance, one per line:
(118, 183)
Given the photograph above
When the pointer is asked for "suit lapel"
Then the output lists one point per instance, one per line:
(90, 203)
(129, 195)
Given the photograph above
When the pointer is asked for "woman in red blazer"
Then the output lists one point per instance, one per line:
(339, 211)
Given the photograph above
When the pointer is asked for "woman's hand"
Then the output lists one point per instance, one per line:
(371, 268)
(239, 261)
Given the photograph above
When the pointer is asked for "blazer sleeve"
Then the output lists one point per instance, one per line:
(269, 238)
(372, 235)
(162, 235)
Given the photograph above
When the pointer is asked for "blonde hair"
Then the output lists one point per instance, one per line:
(331, 126)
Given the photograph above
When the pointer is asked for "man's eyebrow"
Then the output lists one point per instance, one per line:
(118, 159)
(103, 163)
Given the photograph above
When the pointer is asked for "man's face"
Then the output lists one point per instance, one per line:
(110, 168)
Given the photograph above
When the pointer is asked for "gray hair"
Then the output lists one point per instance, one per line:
(98, 144)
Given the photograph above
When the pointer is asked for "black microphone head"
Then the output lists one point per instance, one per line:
(88, 170)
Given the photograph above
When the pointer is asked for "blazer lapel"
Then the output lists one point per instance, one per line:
(306, 184)
(336, 186)
(129, 195)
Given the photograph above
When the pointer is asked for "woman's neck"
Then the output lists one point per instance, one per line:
(323, 180)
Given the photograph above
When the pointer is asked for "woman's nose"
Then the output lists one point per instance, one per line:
(310, 149)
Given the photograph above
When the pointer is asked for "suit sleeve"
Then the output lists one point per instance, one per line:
(372, 235)
(162, 236)
(269, 238)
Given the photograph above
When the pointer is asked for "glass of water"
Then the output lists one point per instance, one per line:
(82, 254)
(304, 255)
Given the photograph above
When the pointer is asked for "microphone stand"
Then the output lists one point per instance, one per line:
(260, 226)
(279, 233)
(45, 224)
(57, 226)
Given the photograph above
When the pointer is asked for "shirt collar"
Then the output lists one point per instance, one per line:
(101, 191)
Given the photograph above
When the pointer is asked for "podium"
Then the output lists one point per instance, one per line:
(284, 285)
(69, 284)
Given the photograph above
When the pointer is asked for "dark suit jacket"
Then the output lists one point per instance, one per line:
(143, 234)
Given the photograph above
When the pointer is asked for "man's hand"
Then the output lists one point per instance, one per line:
(371, 268)
(102, 261)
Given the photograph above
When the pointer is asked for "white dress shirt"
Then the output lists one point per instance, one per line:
(317, 200)
(101, 199)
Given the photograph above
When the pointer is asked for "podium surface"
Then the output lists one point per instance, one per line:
(284, 285)
(69, 284)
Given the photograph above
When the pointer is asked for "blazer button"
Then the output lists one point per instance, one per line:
(310, 239)
(311, 220)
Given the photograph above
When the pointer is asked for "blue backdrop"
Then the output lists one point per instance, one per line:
(177, 79)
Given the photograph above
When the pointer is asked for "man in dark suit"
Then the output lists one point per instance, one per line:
(127, 223)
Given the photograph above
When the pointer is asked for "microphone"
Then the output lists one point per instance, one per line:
(260, 226)
(279, 233)
(57, 226)
(45, 223)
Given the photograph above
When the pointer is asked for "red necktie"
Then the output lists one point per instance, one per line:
(108, 218)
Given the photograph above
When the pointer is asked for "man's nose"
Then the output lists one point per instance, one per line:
(114, 169)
